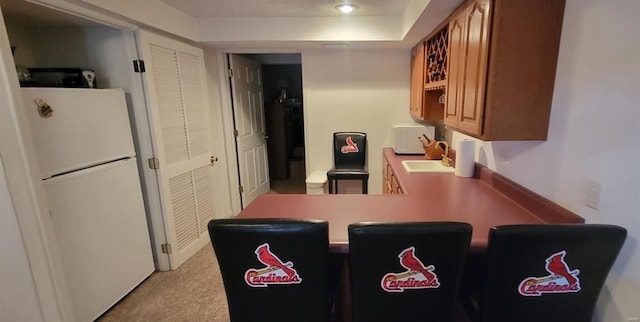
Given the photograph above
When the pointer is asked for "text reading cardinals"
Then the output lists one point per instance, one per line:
(275, 272)
(417, 275)
(560, 280)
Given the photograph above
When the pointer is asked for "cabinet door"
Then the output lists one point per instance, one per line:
(395, 188)
(417, 81)
(386, 177)
(455, 70)
(475, 68)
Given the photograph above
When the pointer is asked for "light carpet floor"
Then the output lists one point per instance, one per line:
(193, 292)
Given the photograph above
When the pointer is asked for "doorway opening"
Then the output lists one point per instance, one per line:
(283, 111)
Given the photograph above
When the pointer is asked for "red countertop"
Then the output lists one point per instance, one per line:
(428, 197)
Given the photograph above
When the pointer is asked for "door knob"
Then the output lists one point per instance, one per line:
(213, 159)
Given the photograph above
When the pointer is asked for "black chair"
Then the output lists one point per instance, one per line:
(273, 269)
(406, 271)
(349, 160)
(551, 273)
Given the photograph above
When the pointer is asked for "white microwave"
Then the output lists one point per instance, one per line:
(406, 137)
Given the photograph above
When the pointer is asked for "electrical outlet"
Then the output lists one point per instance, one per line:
(592, 194)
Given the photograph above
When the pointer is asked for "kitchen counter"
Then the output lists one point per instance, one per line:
(484, 201)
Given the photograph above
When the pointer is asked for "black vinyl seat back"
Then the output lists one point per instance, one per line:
(349, 150)
(349, 160)
(551, 273)
(273, 269)
(406, 271)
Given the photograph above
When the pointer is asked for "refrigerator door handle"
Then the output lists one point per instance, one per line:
(44, 110)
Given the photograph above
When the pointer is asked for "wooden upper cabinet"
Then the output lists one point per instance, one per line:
(417, 81)
(475, 67)
(502, 64)
(455, 69)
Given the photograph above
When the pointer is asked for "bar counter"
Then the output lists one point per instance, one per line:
(484, 201)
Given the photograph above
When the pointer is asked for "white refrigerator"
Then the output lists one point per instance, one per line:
(88, 166)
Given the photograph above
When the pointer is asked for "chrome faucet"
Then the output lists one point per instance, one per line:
(446, 160)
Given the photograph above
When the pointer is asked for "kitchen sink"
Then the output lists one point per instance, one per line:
(426, 166)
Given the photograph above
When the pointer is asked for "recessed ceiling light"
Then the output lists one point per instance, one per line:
(346, 7)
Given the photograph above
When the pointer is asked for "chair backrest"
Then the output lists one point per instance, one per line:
(273, 269)
(349, 149)
(406, 271)
(551, 273)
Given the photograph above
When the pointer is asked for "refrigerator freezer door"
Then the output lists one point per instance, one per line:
(99, 222)
(76, 128)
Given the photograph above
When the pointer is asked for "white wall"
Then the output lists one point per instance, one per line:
(21, 304)
(41, 47)
(362, 28)
(25, 229)
(153, 13)
(106, 50)
(353, 90)
(593, 135)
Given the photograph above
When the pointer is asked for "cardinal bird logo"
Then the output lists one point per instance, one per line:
(351, 146)
(416, 276)
(274, 272)
(561, 279)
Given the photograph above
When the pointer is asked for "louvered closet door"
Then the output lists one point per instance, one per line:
(176, 91)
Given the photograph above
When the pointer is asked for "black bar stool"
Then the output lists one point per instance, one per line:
(551, 273)
(273, 270)
(406, 271)
(349, 158)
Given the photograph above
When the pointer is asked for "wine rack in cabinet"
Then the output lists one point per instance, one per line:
(436, 59)
(435, 81)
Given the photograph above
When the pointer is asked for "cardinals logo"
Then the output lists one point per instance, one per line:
(560, 280)
(416, 276)
(351, 147)
(275, 272)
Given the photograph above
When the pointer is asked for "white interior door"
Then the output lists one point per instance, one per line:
(178, 109)
(251, 140)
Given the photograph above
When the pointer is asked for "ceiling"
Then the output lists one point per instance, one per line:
(285, 8)
(21, 12)
(288, 24)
